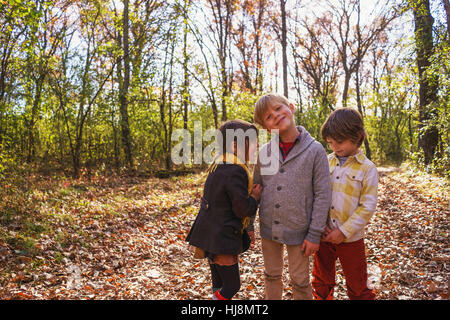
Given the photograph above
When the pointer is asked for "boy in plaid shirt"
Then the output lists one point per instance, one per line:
(354, 183)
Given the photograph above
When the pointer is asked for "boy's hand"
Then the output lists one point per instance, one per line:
(334, 235)
(309, 248)
(256, 191)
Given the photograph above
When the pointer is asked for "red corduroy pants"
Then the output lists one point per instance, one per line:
(353, 261)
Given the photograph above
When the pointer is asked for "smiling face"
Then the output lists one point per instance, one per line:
(343, 148)
(279, 116)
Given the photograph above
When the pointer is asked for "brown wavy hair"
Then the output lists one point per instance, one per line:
(236, 125)
(344, 124)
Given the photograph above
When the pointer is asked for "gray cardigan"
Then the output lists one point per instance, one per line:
(295, 200)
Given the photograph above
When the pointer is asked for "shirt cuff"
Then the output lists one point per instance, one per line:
(346, 234)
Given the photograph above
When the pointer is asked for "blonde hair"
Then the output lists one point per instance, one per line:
(264, 102)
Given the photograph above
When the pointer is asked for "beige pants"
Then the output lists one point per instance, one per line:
(298, 271)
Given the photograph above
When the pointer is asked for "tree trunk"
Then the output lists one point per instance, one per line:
(126, 138)
(186, 81)
(357, 82)
(429, 136)
(167, 102)
(358, 102)
(284, 47)
(215, 113)
(222, 12)
(185, 93)
(167, 128)
(348, 74)
(34, 114)
(115, 143)
(447, 13)
(258, 45)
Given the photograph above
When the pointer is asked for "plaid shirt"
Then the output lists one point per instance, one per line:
(354, 194)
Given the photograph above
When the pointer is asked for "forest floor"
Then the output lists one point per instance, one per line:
(123, 238)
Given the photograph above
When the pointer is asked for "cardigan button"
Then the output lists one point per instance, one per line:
(279, 188)
(277, 205)
(282, 170)
(276, 222)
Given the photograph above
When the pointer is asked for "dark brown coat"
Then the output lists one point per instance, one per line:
(218, 226)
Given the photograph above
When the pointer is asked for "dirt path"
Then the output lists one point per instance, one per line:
(140, 252)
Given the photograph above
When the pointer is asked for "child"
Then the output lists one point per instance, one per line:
(354, 181)
(295, 199)
(229, 200)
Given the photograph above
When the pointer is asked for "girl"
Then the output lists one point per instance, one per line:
(229, 200)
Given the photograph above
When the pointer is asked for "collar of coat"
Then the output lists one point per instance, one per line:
(305, 140)
(232, 159)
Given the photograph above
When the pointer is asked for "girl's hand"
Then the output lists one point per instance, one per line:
(251, 234)
(256, 191)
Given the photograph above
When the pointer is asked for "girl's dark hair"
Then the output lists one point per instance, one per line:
(236, 125)
(343, 124)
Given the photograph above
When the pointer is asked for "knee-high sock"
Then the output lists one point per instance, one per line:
(215, 277)
(231, 282)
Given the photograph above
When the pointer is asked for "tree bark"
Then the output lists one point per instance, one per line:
(428, 133)
(357, 82)
(126, 138)
(447, 13)
(186, 78)
(34, 114)
(359, 104)
(284, 47)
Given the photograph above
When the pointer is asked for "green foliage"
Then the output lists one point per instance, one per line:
(389, 117)
(240, 105)
(312, 119)
(7, 161)
(439, 72)
(64, 79)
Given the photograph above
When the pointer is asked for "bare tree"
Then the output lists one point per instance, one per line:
(221, 30)
(249, 38)
(202, 72)
(352, 46)
(316, 63)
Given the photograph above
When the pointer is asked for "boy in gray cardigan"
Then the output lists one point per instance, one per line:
(295, 199)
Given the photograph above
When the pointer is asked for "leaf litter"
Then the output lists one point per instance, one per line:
(123, 238)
